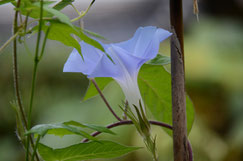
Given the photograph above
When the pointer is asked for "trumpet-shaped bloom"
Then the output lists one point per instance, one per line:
(128, 57)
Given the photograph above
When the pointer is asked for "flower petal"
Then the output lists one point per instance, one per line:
(106, 68)
(145, 42)
(95, 63)
(75, 63)
(130, 62)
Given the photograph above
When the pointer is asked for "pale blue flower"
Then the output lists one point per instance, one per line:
(128, 57)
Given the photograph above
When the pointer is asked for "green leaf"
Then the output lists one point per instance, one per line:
(94, 127)
(94, 34)
(32, 9)
(6, 1)
(159, 60)
(62, 4)
(59, 129)
(85, 151)
(155, 86)
(48, 12)
(92, 42)
(59, 15)
(63, 33)
(91, 91)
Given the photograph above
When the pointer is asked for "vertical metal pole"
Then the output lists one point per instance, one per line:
(178, 83)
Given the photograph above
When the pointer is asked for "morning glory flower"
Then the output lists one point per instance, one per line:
(127, 56)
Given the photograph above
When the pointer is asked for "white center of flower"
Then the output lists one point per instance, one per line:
(129, 84)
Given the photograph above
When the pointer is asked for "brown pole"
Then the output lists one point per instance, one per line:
(178, 82)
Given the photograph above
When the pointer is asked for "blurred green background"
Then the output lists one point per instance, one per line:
(214, 76)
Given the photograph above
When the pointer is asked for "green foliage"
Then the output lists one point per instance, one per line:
(61, 28)
(85, 151)
(90, 41)
(32, 9)
(156, 94)
(159, 60)
(5, 1)
(67, 128)
(59, 15)
(94, 34)
(62, 32)
(94, 127)
(94, 42)
(59, 130)
(91, 91)
(62, 4)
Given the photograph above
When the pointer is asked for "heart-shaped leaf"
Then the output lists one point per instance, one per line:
(85, 151)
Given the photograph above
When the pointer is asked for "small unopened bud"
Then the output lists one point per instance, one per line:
(144, 126)
(145, 129)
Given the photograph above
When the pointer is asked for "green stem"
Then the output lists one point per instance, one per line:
(31, 105)
(15, 64)
(36, 61)
(44, 44)
(26, 21)
(16, 34)
(35, 148)
(15, 73)
(9, 41)
(83, 13)
(76, 10)
(32, 91)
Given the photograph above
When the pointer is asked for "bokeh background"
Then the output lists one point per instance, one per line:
(214, 78)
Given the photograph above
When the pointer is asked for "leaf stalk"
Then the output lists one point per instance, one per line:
(82, 14)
